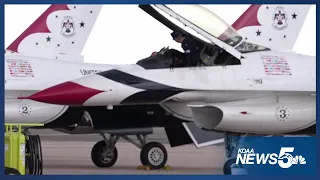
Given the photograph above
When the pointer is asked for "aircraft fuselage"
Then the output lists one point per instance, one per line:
(260, 78)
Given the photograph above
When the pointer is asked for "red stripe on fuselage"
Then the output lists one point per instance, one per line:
(68, 93)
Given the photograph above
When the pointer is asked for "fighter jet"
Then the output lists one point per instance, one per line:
(125, 100)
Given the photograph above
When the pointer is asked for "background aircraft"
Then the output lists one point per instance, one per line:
(37, 56)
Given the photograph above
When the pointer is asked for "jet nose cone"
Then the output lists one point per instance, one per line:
(68, 93)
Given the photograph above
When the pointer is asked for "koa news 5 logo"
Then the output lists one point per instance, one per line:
(284, 159)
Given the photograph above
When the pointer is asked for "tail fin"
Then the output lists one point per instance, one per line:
(60, 30)
(274, 26)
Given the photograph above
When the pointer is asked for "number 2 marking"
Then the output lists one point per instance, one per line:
(25, 110)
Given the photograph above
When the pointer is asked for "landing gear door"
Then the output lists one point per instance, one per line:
(203, 138)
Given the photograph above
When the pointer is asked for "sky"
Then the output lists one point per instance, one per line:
(124, 34)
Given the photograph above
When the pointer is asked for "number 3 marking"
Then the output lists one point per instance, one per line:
(283, 113)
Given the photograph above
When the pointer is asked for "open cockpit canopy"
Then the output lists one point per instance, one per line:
(204, 25)
(207, 21)
(221, 44)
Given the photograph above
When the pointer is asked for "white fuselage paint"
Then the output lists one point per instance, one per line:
(269, 115)
(47, 72)
(239, 85)
(209, 84)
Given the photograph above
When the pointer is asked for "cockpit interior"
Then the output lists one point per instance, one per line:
(210, 55)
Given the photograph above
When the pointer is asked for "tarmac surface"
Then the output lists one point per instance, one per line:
(70, 154)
